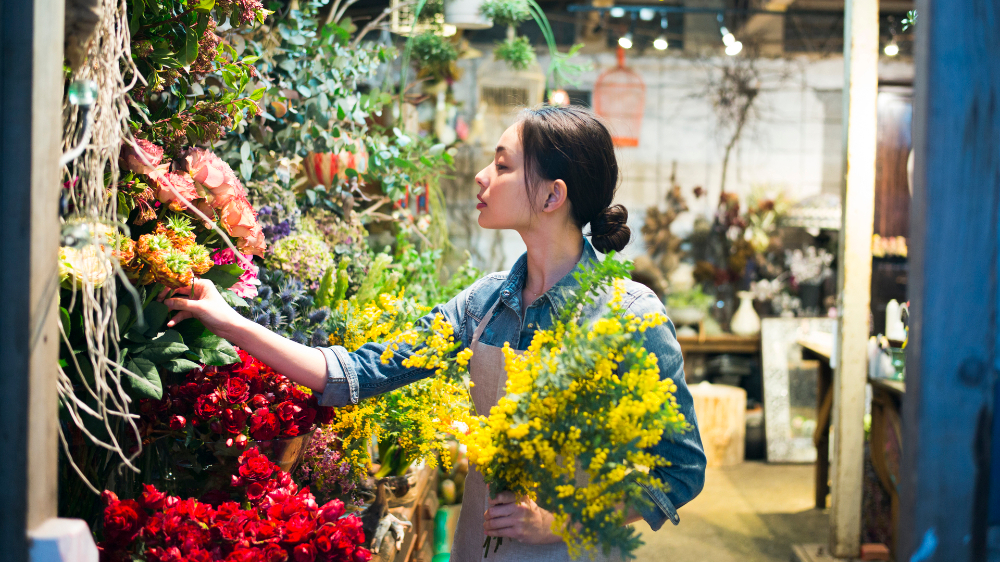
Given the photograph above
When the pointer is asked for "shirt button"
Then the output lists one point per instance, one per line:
(506, 293)
(531, 325)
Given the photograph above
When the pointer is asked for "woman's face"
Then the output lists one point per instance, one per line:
(503, 197)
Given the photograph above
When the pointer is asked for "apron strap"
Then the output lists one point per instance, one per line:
(482, 325)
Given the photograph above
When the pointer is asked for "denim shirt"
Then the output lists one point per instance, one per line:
(352, 376)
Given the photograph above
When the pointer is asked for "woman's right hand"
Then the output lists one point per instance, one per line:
(204, 302)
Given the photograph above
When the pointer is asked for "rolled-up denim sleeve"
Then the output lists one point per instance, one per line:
(683, 476)
(351, 376)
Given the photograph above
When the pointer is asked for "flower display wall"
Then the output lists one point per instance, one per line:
(227, 104)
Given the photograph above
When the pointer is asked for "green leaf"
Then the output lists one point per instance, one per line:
(179, 365)
(224, 275)
(145, 380)
(156, 316)
(351, 173)
(204, 6)
(190, 330)
(190, 48)
(246, 170)
(64, 319)
(436, 150)
(257, 94)
(233, 300)
(164, 348)
(210, 349)
(245, 151)
(249, 60)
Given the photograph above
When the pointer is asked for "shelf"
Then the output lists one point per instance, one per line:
(724, 343)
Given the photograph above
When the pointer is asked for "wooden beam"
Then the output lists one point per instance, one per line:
(31, 86)
(952, 353)
(854, 278)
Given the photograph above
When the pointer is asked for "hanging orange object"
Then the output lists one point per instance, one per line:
(620, 97)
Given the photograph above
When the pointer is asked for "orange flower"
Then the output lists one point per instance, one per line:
(240, 220)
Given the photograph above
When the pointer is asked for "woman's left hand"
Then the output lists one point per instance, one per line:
(521, 520)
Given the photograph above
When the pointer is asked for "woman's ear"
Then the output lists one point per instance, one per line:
(556, 196)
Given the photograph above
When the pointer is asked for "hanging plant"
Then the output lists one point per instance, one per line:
(435, 57)
(517, 53)
(506, 12)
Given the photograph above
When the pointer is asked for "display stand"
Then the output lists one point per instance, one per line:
(420, 511)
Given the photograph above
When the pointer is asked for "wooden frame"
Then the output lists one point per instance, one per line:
(31, 88)
(952, 356)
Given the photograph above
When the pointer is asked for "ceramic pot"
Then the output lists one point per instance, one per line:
(326, 168)
(745, 322)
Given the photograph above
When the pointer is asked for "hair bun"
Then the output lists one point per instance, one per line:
(609, 230)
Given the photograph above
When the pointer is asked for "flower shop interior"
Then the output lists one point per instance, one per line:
(812, 188)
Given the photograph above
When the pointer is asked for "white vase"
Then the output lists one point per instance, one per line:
(745, 322)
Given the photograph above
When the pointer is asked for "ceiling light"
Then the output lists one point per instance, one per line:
(727, 37)
(617, 12)
(661, 44)
(734, 48)
(626, 40)
(647, 14)
(892, 49)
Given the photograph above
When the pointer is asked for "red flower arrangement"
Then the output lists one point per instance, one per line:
(282, 523)
(238, 402)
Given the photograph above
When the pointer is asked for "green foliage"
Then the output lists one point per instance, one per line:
(434, 56)
(506, 12)
(910, 20)
(692, 298)
(176, 50)
(517, 52)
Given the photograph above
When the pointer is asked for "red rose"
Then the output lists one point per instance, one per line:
(267, 531)
(177, 423)
(351, 525)
(122, 522)
(324, 415)
(259, 401)
(287, 411)
(207, 406)
(152, 498)
(256, 491)
(237, 390)
(305, 553)
(263, 425)
(255, 467)
(362, 554)
(245, 554)
(240, 441)
(304, 420)
(233, 421)
(331, 511)
(299, 527)
(274, 553)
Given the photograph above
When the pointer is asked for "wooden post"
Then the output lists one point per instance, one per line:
(951, 366)
(854, 279)
(31, 88)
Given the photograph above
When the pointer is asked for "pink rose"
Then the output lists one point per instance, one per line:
(212, 173)
(246, 287)
(142, 158)
(170, 185)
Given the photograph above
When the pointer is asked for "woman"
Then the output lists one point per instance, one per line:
(553, 173)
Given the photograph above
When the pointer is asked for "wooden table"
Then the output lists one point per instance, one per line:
(419, 509)
(822, 350)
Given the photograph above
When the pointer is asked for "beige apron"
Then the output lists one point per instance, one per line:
(489, 377)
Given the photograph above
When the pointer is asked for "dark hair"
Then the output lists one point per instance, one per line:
(571, 144)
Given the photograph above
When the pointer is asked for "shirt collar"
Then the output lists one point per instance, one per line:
(510, 292)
